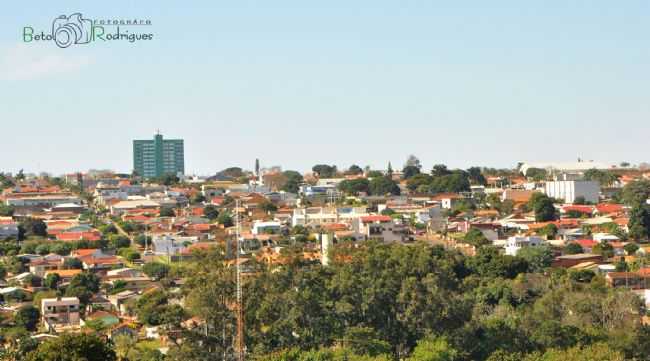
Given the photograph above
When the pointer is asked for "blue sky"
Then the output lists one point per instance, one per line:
(296, 83)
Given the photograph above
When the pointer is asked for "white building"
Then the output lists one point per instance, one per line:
(570, 190)
(515, 243)
(60, 313)
(171, 244)
(326, 215)
(272, 227)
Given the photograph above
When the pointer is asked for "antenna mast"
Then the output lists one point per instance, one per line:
(240, 306)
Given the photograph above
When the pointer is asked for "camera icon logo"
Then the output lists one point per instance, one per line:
(73, 29)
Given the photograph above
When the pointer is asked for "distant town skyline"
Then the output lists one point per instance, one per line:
(342, 83)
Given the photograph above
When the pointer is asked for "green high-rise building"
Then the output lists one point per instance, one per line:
(154, 158)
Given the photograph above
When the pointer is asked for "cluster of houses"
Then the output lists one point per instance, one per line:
(177, 220)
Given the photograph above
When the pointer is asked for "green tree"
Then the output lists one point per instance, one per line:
(631, 248)
(572, 248)
(294, 179)
(6, 211)
(167, 212)
(639, 223)
(410, 171)
(383, 186)
(27, 317)
(605, 249)
(83, 286)
(33, 227)
(437, 349)
(550, 231)
(354, 170)
(476, 176)
(476, 238)
(324, 170)
(156, 270)
(226, 219)
(211, 212)
(354, 186)
(538, 258)
(542, 206)
(636, 193)
(73, 347)
(51, 281)
(604, 177)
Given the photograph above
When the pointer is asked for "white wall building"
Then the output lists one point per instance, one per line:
(570, 190)
(515, 243)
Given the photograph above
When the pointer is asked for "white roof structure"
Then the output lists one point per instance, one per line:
(564, 166)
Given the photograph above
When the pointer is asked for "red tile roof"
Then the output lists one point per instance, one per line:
(376, 218)
(586, 243)
(76, 236)
(606, 208)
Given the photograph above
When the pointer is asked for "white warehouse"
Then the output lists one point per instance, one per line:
(570, 190)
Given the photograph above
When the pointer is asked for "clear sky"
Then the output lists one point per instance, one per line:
(296, 83)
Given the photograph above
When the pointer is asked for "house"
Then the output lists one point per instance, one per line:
(570, 260)
(167, 244)
(270, 227)
(516, 243)
(586, 244)
(61, 313)
(65, 275)
(382, 228)
(632, 280)
(8, 228)
(517, 196)
(447, 200)
(120, 299)
(95, 260)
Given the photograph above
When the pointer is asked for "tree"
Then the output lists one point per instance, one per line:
(167, 212)
(120, 241)
(550, 231)
(538, 258)
(536, 174)
(156, 270)
(383, 186)
(324, 170)
(413, 161)
(73, 347)
(6, 211)
(268, 206)
(83, 286)
(72, 263)
(354, 186)
(621, 265)
(605, 249)
(294, 179)
(639, 223)
(631, 248)
(198, 198)
(542, 206)
(476, 238)
(167, 179)
(636, 193)
(27, 317)
(573, 248)
(354, 170)
(605, 178)
(52, 280)
(211, 212)
(437, 349)
(409, 171)
(476, 176)
(440, 170)
(33, 227)
(225, 219)
(418, 180)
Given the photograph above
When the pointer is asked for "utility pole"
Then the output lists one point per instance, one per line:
(240, 307)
